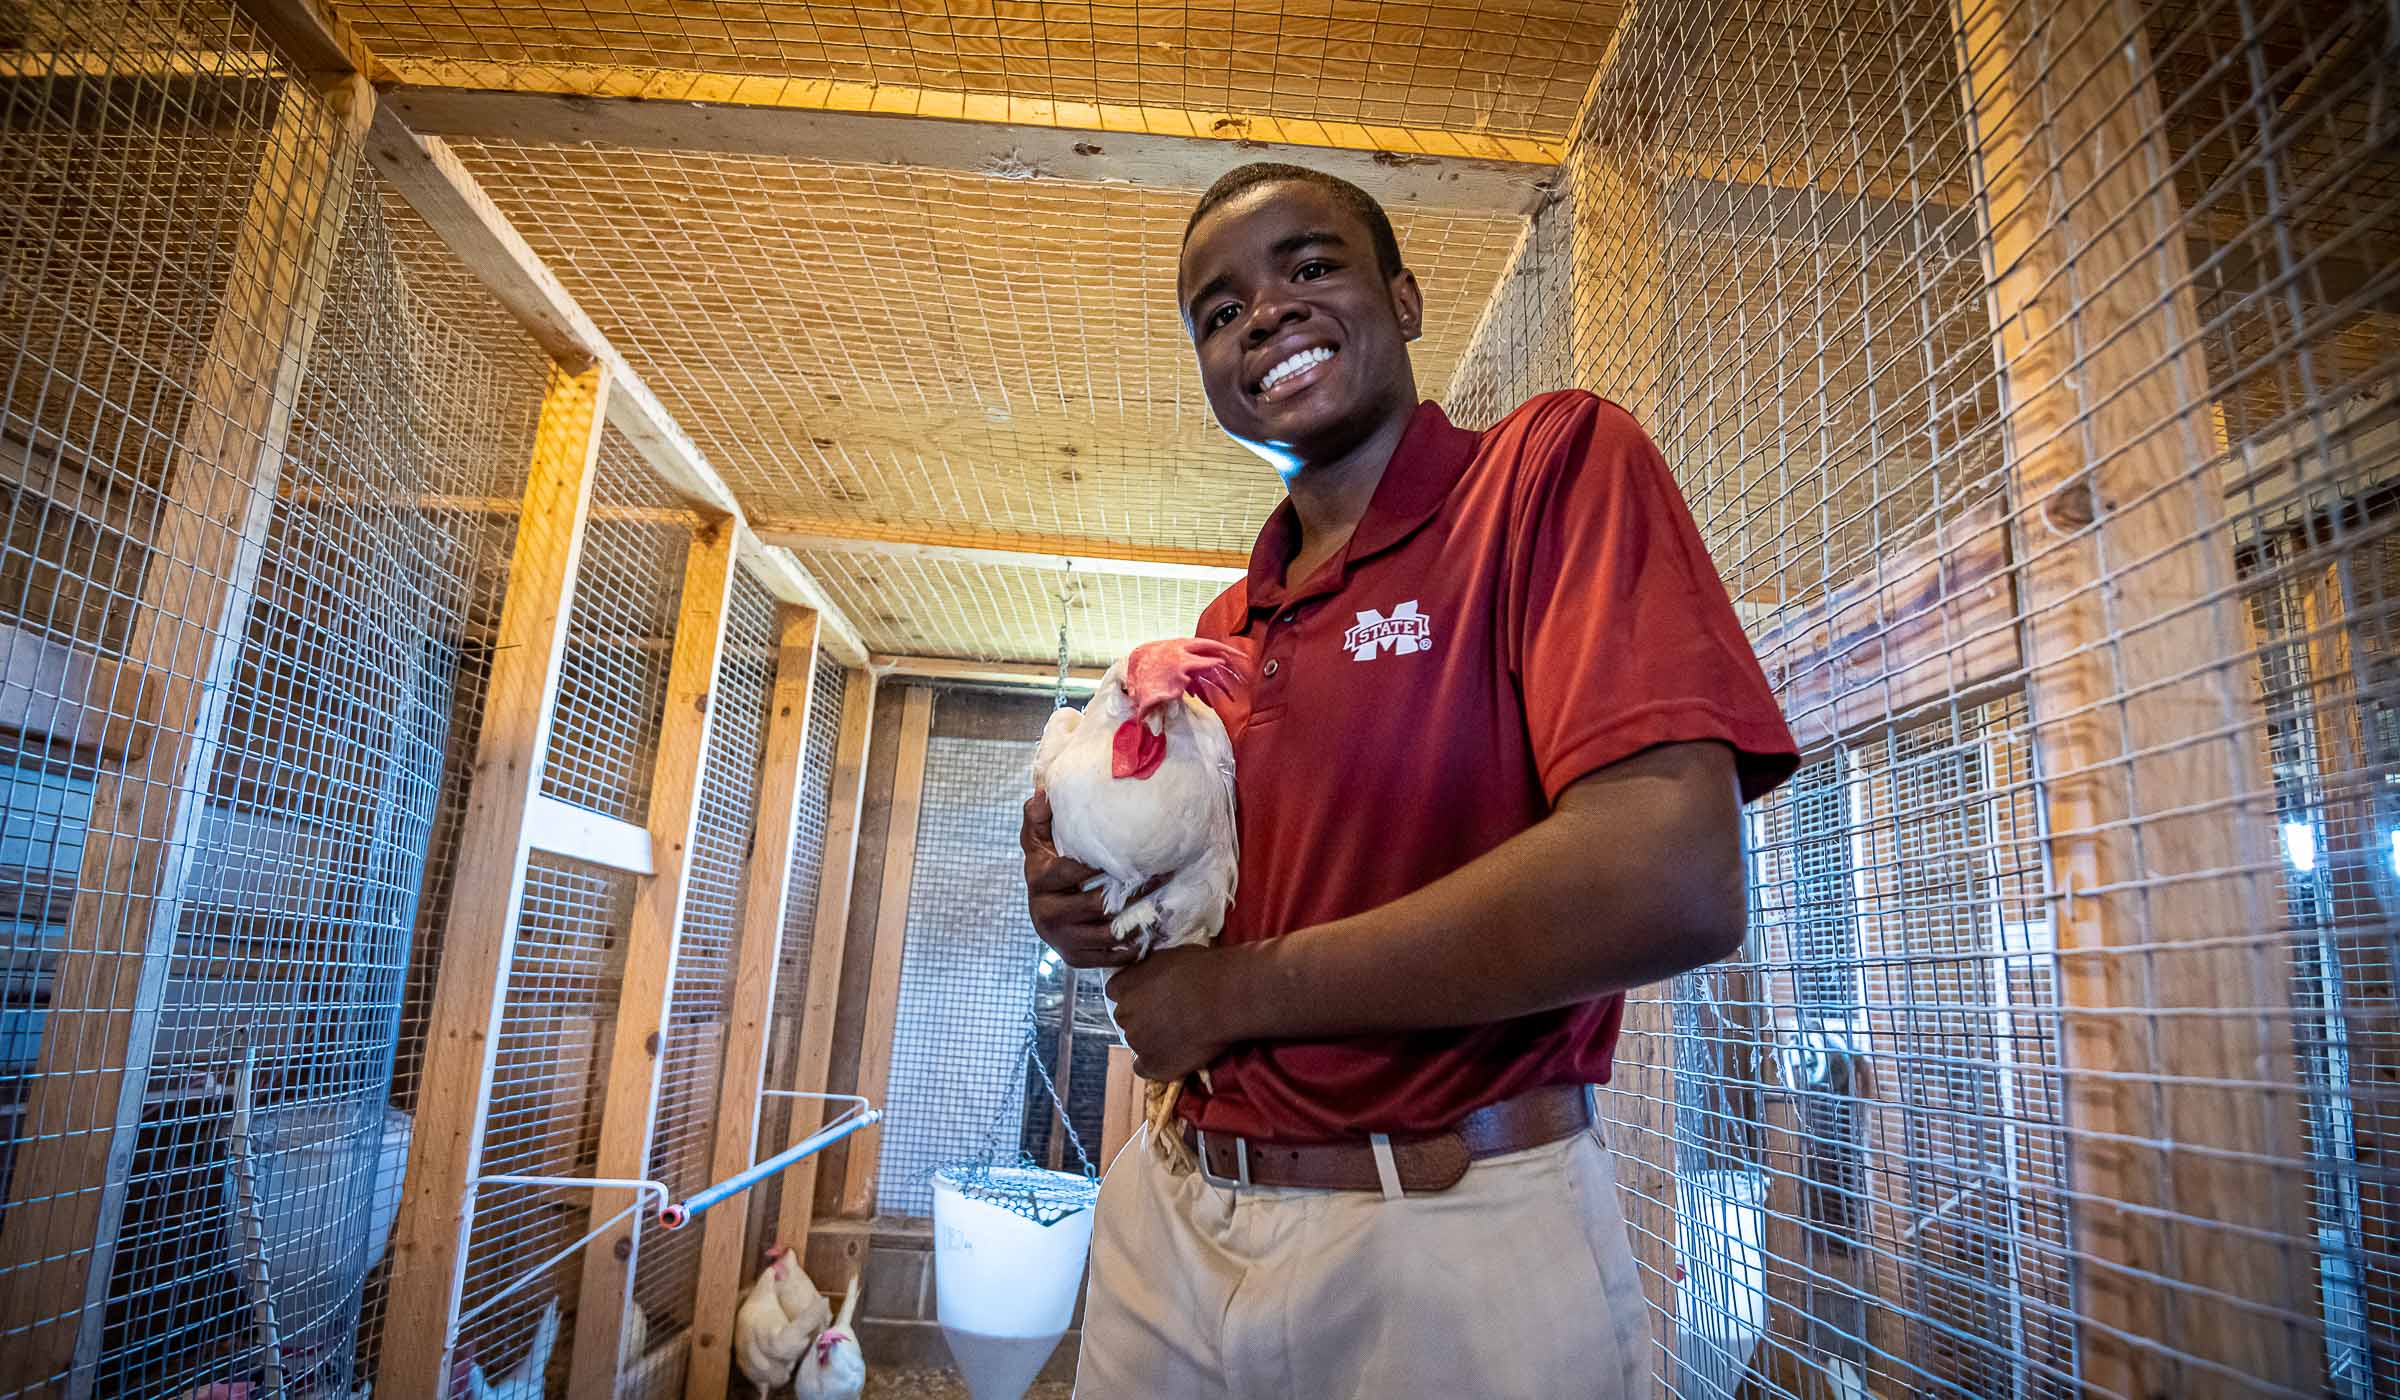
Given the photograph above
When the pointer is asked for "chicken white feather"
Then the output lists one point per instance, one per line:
(834, 1369)
(779, 1317)
(1140, 783)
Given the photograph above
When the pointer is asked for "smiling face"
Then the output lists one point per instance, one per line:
(1302, 339)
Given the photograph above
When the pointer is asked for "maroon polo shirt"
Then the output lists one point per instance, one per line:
(1516, 609)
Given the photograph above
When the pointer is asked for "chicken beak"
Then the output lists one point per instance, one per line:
(1156, 720)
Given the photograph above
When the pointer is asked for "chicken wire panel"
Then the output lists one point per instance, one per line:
(683, 1133)
(141, 335)
(1511, 67)
(557, 1016)
(967, 975)
(1868, 1155)
(479, 393)
(612, 686)
(914, 347)
(799, 927)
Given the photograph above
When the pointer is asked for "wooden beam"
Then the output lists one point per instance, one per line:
(462, 1032)
(76, 699)
(313, 38)
(84, 1101)
(767, 884)
(1062, 1079)
(1022, 675)
(785, 577)
(973, 133)
(971, 546)
(2193, 1243)
(442, 192)
(829, 934)
(629, 1110)
(891, 936)
(579, 833)
(1121, 1116)
(1934, 626)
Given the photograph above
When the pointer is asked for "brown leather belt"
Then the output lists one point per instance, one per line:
(1417, 1165)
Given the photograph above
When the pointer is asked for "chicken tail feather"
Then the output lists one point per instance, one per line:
(1163, 1131)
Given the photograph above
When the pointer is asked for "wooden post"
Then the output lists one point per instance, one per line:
(629, 1109)
(1620, 331)
(2190, 1183)
(84, 1104)
(891, 935)
(766, 885)
(813, 1055)
(462, 1030)
(1062, 1079)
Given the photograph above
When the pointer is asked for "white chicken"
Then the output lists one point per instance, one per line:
(1140, 783)
(527, 1380)
(781, 1314)
(834, 1368)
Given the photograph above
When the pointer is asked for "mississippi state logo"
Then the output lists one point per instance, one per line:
(1404, 632)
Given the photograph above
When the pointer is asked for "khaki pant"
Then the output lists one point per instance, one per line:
(1518, 1283)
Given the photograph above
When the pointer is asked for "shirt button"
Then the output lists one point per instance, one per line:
(1273, 667)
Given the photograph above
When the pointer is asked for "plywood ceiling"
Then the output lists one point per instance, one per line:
(1510, 67)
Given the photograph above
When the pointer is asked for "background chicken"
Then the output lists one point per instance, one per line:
(1141, 785)
(834, 1368)
(779, 1317)
(526, 1381)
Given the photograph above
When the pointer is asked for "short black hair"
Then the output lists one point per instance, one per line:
(1242, 179)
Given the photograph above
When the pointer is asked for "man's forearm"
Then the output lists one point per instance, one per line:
(1636, 877)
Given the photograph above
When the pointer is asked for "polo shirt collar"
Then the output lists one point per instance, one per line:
(1433, 454)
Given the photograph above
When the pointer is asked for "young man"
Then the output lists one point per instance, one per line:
(1500, 723)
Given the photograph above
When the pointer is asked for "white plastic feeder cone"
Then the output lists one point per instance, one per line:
(1005, 1285)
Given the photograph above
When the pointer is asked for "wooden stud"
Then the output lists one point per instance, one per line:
(1063, 1079)
(1619, 325)
(629, 1106)
(1022, 675)
(1403, 167)
(812, 1056)
(1934, 626)
(1122, 1117)
(958, 545)
(2156, 808)
(579, 833)
(76, 1136)
(767, 882)
(891, 936)
(78, 700)
(462, 1033)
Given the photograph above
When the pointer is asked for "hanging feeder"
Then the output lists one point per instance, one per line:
(1010, 1238)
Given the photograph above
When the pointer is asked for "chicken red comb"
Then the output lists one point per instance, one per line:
(1158, 672)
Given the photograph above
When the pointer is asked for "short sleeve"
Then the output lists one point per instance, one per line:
(1621, 634)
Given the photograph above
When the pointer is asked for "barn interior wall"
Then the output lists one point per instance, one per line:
(2029, 372)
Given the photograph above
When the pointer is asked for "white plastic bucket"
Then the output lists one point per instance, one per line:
(1005, 1285)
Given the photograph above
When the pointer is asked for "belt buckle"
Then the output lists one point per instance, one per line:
(1241, 1161)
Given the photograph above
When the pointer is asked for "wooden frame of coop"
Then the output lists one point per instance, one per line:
(2090, 619)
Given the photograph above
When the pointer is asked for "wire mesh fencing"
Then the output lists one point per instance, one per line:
(967, 975)
(2029, 369)
(236, 641)
(693, 1050)
(827, 692)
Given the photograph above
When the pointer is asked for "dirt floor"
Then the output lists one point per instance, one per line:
(943, 1385)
